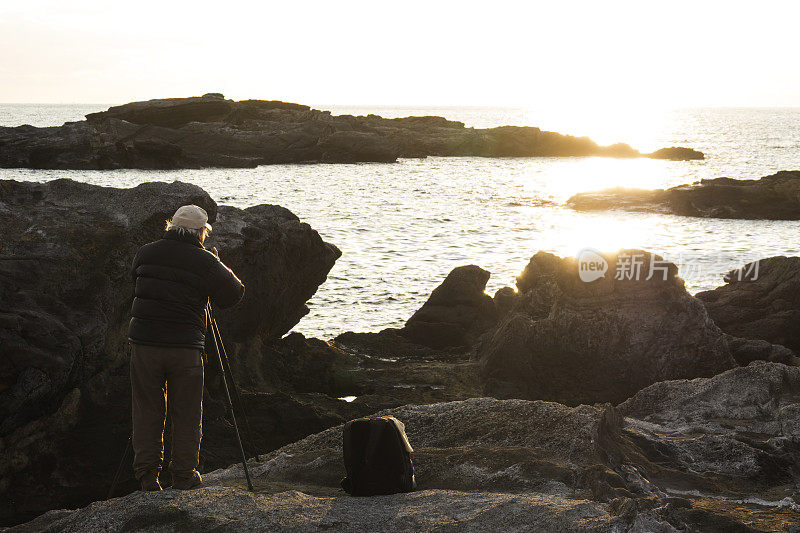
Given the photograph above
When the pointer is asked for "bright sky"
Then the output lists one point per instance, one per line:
(561, 53)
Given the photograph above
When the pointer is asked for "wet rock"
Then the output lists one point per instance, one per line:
(65, 294)
(583, 342)
(457, 312)
(745, 351)
(267, 420)
(775, 197)
(212, 131)
(759, 301)
(393, 371)
(387, 343)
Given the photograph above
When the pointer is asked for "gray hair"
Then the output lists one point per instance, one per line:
(200, 234)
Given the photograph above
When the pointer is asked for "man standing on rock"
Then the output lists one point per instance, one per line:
(175, 278)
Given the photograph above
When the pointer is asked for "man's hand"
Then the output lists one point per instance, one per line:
(214, 251)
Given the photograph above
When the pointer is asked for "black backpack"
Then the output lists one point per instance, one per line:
(377, 457)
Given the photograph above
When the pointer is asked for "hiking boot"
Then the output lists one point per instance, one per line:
(187, 481)
(149, 482)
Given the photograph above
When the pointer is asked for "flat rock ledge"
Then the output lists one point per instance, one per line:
(230, 509)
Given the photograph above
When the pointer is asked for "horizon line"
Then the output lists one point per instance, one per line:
(321, 106)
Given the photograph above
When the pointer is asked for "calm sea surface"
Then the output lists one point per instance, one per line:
(402, 227)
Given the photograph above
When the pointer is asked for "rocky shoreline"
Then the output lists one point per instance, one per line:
(211, 131)
(618, 405)
(774, 197)
(699, 455)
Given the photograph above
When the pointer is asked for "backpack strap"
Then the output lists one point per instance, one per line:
(359, 444)
(376, 426)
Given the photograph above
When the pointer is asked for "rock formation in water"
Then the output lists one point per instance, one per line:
(759, 301)
(574, 342)
(210, 131)
(775, 197)
(457, 312)
(65, 293)
(455, 315)
(712, 454)
(676, 153)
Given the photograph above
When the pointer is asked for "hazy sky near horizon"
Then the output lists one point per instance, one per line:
(560, 54)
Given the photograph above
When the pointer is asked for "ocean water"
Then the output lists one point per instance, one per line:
(402, 227)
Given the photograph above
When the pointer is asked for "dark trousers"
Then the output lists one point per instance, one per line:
(158, 375)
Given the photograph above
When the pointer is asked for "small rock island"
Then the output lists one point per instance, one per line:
(211, 131)
(774, 197)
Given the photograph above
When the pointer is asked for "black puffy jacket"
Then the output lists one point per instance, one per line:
(175, 277)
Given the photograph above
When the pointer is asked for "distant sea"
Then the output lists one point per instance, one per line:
(402, 227)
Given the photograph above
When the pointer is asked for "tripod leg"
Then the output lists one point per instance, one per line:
(233, 418)
(236, 396)
(119, 468)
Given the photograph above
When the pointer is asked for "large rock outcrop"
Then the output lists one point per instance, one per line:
(761, 300)
(775, 197)
(65, 294)
(712, 454)
(577, 341)
(212, 131)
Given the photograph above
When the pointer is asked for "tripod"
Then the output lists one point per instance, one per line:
(225, 368)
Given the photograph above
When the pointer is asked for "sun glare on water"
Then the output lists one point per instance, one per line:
(645, 129)
(559, 179)
(641, 125)
(567, 233)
